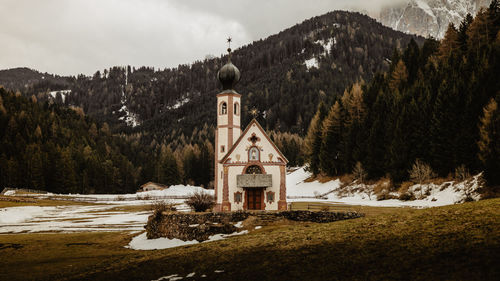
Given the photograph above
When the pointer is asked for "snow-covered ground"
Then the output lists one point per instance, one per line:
(90, 218)
(69, 219)
(439, 195)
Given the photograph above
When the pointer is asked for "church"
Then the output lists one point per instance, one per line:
(250, 171)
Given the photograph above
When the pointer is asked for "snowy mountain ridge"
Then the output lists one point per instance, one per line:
(428, 18)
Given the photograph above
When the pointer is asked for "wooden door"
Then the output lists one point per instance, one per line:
(254, 198)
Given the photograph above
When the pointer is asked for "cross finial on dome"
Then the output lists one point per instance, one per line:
(229, 40)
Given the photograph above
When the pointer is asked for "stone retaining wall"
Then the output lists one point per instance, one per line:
(199, 226)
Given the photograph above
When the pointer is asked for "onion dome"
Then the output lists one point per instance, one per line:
(229, 74)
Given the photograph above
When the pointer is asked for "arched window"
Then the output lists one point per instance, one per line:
(236, 109)
(253, 154)
(254, 169)
(223, 108)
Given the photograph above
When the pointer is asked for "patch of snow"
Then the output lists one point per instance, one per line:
(69, 219)
(218, 271)
(141, 242)
(327, 45)
(130, 118)
(63, 93)
(182, 101)
(192, 274)
(258, 227)
(9, 192)
(172, 277)
(239, 224)
(310, 63)
(15, 215)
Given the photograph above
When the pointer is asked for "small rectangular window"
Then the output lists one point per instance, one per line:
(222, 148)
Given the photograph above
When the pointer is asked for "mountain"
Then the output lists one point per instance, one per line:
(429, 18)
(284, 76)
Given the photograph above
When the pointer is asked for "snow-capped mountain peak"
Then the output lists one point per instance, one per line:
(429, 18)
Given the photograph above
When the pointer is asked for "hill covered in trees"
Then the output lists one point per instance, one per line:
(438, 103)
(50, 147)
(341, 48)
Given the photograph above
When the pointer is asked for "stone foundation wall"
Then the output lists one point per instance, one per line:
(199, 226)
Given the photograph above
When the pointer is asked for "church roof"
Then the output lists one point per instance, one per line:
(254, 121)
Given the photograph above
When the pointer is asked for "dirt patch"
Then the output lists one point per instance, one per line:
(10, 246)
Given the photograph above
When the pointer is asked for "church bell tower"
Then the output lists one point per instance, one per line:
(228, 127)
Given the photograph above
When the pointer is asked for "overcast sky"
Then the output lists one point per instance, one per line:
(69, 37)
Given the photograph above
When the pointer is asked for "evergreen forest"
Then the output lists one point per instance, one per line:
(438, 103)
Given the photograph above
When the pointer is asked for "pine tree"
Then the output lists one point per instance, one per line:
(449, 44)
(489, 142)
(399, 76)
(314, 139)
(168, 172)
(331, 158)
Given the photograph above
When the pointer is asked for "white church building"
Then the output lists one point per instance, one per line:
(249, 168)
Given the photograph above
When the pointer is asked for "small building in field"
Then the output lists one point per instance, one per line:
(152, 186)
(249, 168)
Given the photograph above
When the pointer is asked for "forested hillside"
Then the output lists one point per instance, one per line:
(341, 48)
(438, 104)
(50, 147)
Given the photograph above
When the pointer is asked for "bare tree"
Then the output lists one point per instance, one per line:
(421, 172)
(359, 173)
(462, 173)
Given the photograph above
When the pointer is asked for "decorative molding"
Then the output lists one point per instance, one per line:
(282, 205)
(254, 164)
(254, 123)
(253, 138)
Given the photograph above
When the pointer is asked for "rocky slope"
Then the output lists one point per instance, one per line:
(428, 17)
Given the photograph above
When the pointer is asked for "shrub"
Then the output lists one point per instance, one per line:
(200, 201)
(161, 206)
(407, 196)
(382, 185)
(385, 196)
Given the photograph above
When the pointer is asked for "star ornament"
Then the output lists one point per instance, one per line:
(254, 112)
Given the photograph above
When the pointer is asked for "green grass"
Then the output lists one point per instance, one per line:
(459, 242)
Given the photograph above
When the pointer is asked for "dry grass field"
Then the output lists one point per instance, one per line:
(458, 242)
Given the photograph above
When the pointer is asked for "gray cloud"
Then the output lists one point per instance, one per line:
(82, 36)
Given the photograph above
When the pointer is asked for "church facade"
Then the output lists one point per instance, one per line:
(250, 171)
